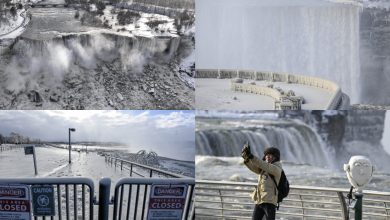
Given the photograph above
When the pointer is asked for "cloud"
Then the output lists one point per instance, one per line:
(175, 119)
(112, 118)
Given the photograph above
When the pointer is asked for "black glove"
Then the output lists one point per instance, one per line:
(246, 152)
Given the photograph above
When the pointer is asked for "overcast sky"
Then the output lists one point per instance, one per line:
(168, 133)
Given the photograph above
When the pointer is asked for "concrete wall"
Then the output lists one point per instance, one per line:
(260, 90)
(274, 77)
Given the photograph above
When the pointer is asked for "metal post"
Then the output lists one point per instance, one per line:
(343, 204)
(104, 198)
(35, 162)
(359, 206)
(70, 147)
(70, 157)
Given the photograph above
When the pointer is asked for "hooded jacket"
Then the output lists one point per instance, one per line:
(266, 191)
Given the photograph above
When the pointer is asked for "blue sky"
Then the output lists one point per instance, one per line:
(169, 133)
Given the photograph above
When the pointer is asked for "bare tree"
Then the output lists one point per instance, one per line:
(1, 139)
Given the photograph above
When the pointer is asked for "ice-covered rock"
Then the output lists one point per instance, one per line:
(120, 97)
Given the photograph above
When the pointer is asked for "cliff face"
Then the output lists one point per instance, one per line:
(350, 133)
(367, 126)
(331, 127)
(374, 53)
(339, 127)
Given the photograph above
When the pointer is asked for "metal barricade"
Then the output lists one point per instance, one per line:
(139, 169)
(231, 200)
(131, 197)
(73, 196)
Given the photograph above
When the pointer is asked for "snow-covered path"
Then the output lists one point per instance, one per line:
(53, 162)
(17, 27)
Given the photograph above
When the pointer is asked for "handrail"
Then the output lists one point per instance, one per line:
(49, 180)
(6, 147)
(151, 169)
(228, 200)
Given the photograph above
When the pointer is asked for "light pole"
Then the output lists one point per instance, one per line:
(70, 147)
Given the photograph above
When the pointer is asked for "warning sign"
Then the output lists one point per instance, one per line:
(167, 202)
(43, 200)
(14, 202)
(28, 150)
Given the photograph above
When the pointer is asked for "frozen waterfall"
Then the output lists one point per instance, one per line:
(311, 37)
(297, 142)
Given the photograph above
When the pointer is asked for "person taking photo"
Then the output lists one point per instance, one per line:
(269, 171)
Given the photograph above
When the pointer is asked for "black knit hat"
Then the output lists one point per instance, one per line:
(274, 151)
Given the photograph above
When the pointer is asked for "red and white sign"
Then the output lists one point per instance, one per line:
(15, 202)
(167, 202)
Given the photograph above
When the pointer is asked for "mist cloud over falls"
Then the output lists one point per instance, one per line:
(35, 63)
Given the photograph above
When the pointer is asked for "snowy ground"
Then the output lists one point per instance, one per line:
(216, 94)
(140, 27)
(15, 25)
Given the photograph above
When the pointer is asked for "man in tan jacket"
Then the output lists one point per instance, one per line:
(266, 194)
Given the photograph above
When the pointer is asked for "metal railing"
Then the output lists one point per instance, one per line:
(132, 196)
(73, 197)
(231, 200)
(7, 147)
(136, 168)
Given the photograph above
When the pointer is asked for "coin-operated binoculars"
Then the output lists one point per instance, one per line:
(359, 172)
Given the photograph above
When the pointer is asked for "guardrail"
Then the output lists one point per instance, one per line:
(134, 168)
(231, 200)
(138, 190)
(274, 77)
(7, 147)
(67, 193)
